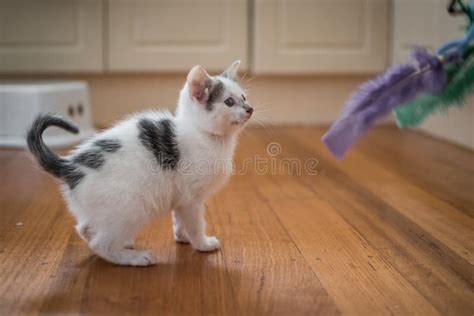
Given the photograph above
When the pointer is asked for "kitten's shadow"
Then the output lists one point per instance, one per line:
(94, 285)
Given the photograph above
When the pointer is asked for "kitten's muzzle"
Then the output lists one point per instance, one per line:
(248, 109)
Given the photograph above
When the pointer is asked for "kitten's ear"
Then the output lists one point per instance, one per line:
(231, 72)
(198, 83)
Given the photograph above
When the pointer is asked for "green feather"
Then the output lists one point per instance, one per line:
(460, 85)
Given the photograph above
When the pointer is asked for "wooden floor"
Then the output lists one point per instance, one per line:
(388, 230)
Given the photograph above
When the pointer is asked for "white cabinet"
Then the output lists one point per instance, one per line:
(282, 36)
(174, 35)
(320, 36)
(423, 23)
(50, 36)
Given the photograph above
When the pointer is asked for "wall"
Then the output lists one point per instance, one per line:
(278, 99)
(285, 100)
(455, 125)
(282, 99)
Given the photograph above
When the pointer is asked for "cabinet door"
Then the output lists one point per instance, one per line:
(174, 35)
(423, 23)
(320, 36)
(50, 36)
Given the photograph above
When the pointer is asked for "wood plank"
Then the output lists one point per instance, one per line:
(268, 273)
(95, 286)
(356, 276)
(32, 235)
(316, 232)
(399, 241)
(441, 172)
(376, 233)
(447, 225)
(393, 239)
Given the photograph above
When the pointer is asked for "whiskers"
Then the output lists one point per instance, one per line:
(261, 111)
(261, 116)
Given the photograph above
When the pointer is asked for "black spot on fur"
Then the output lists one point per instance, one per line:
(91, 158)
(94, 157)
(73, 177)
(216, 91)
(108, 145)
(159, 138)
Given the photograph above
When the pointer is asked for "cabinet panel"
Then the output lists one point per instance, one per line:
(320, 36)
(50, 36)
(174, 35)
(422, 23)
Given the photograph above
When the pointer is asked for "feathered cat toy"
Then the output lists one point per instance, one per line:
(426, 84)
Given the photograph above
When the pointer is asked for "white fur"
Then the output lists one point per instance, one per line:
(112, 204)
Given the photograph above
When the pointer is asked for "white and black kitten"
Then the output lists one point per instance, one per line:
(149, 164)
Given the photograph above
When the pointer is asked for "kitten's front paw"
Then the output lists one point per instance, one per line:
(208, 244)
(181, 237)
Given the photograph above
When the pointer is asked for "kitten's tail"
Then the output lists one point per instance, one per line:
(50, 162)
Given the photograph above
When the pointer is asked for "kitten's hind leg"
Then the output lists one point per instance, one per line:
(178, 229)
(112, 244)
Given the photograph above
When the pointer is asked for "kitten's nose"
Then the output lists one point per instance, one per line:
(248, 109)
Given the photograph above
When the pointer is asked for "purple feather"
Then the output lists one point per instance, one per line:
(376, 99)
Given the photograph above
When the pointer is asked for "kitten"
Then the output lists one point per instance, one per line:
(148, 164)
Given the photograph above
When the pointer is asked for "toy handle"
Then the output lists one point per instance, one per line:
(459, 45)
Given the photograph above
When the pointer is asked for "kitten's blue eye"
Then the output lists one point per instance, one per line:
(243, 97)
(229, 102)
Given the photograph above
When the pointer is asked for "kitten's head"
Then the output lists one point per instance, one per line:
(216, 103)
